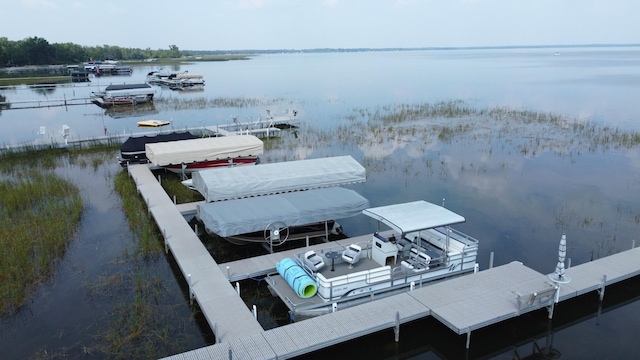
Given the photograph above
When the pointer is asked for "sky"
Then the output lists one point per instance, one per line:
(311, 24)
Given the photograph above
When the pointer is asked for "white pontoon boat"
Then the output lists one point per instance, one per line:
(420, 247)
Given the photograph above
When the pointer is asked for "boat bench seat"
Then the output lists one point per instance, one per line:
(419, 255)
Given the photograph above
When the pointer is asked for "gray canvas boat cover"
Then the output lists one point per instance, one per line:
(203, 149)
(266, 179)
(241, 216)
(414, 216)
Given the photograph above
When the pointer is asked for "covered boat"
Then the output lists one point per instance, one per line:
(278, 178)
(196, 154)
(133, 150)
(277, 218)
(123, 94)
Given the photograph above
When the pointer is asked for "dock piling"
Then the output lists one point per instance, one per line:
(190, 289)
(396, 327)
(602, 286)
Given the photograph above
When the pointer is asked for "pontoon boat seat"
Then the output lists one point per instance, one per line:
(313, 260)
(352, 254)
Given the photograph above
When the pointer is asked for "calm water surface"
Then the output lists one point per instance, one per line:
(520, 187)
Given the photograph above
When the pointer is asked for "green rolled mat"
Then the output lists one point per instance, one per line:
(297, 278)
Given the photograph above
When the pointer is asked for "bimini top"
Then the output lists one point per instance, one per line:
(241, 216)
(203, 149)
(266, 179)
(414, 216)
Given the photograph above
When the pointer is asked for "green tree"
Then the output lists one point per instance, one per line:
(174, 52)
(36, 51)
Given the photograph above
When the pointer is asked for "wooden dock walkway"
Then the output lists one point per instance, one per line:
(226, 313)
(463, 304)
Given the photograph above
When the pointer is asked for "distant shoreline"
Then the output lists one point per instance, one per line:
(428, 48)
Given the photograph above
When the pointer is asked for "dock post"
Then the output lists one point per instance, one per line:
(602, 286)
(396, 327)
(166, 245)
(307, 237)
(190, 289)
(468, 339)
(491, 260)
(255, 312)
(228, 274)
(238, 287)
(230, 354)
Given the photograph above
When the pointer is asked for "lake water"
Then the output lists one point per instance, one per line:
(520, 185)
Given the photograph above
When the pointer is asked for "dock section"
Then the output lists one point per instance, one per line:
(224, 310)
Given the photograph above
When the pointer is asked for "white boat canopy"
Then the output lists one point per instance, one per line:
(414, 216)
(241, 216)
(203, 149)
(266, 179)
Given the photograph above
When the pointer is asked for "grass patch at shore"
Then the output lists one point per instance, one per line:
(39, 213)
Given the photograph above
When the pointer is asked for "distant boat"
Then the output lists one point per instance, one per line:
(123, 94)
(152, 123)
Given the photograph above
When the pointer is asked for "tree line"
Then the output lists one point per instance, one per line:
(38, 51)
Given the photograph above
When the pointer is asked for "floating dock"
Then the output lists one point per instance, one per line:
(463, 304)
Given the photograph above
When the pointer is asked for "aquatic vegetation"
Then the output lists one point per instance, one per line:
(173, 103)
(141, 222)
(30, 253)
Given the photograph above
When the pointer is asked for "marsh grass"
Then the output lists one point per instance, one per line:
(30, 253)
(142, 225)
(172, 184)
(174, 103)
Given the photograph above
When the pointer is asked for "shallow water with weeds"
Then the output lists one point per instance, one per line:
(524, 160)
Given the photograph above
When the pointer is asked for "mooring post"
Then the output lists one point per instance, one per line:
(396, 328)
(602, 286)
(190, 289)
(230, 354)
(238, 287)
(228, 274)
(174, 200)
(491, 260)
(468, 339)
(255, 312)
(633, 244)
(166, 245)
(307, 237)
(215, 333)
(159, 180)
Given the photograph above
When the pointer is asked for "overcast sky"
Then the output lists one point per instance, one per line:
(308, 24)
